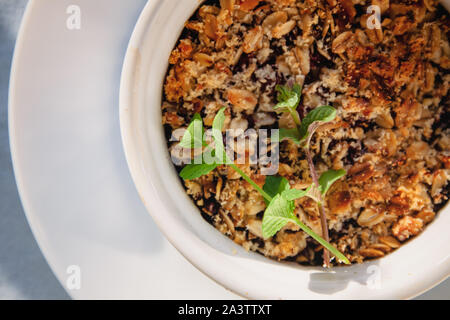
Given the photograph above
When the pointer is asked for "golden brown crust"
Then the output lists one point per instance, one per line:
(389, 85)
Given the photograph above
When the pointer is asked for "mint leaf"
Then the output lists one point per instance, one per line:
(314, 193)
(283, 93)
(289, 94)
(219, 120)
(217, 127)
(193, 137)
(311, 192)
(329, 177)
(275, 185)
(288, 98)
(194, 171)
(297, 89)
(292, 134)
(293, 194)
(288, 101)
(320, 114)
(279, 212)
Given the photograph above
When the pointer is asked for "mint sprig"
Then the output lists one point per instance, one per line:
(302, 136)
(280, 212)
(288, 100)
(276, 191)
(329, 177)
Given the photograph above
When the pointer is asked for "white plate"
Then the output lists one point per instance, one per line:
(73, 179)
(422, 263)
(72, 176)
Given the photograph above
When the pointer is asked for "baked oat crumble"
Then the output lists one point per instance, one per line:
(390, 87)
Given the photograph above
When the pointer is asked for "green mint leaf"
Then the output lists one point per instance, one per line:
(318, 115)
(217, 127)
(275, 185)
(314, 193)
(283, 93)
(329, 177)
(297, 89)
(278, 213)
(193, 137)
(194, 171)
(288, 98)
(291, 134)
(293, 194)
(219, 120)
(290, 103)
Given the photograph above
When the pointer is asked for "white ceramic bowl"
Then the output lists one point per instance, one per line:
(407, 272)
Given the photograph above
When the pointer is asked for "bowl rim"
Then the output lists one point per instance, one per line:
(169, 227)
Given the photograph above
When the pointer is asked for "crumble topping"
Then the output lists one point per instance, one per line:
(389, 85)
